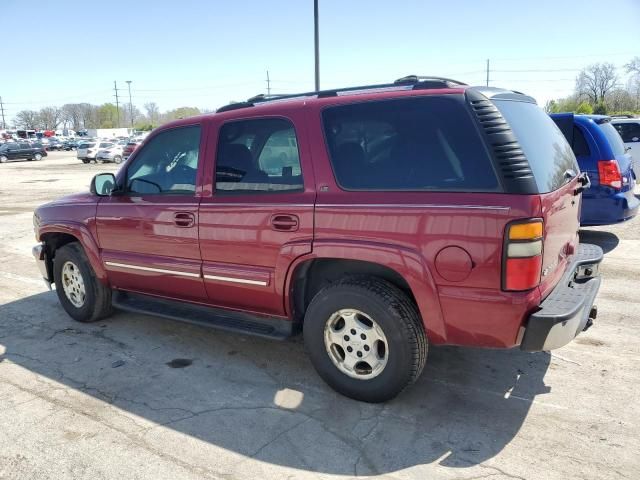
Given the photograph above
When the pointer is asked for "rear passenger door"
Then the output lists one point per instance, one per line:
(26, 150)
(259, 216)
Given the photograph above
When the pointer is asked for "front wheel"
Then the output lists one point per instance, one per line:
(3, 159)
(85, 160)
(81, 294)
(365, 338)
(117, 159)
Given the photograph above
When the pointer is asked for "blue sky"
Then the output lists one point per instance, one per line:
(207, 53)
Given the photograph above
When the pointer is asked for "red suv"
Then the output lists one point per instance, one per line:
(375, 219)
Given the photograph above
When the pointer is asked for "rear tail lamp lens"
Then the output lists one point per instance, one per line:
(609, 172)
(522, 256)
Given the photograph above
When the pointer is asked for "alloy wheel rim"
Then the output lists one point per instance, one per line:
(73, 284)
(356, 344)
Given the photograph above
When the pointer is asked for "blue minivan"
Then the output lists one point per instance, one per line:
(601, 153)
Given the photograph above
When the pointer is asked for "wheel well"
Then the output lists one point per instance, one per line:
(52, 242)
(312, 276)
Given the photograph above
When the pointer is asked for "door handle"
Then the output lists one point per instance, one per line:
(285, 223)
(184, 219)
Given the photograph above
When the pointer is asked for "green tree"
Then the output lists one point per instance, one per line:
(584, 107)
(600, 108)
(107, 116)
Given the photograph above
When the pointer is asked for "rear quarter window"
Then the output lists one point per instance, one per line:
(613, 137)
(417, 144)
(544, 145)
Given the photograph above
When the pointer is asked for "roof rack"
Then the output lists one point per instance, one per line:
(410, 82)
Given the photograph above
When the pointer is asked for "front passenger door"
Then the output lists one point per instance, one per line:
(148, 231)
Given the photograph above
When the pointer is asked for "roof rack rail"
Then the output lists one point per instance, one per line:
(413, 82)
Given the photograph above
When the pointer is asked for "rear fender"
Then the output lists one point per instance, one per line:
(406, 262)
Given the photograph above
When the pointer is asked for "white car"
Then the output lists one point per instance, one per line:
(111, 154)
(87, 151)
(629, 130)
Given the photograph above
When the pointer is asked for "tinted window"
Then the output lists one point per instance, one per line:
(428, 143)
(167, 164)
(630, 132)
(25, 145)
(580, 145)
(257, 156)
(544, 145)
(613, 137)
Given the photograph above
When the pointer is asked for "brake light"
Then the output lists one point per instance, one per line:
(609, 172)
(522, 255)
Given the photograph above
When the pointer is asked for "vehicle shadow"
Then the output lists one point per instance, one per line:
(605, 240)
(262, 399)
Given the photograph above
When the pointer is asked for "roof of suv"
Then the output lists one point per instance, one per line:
(410, 85)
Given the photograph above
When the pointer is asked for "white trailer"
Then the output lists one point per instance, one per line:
(108, 132)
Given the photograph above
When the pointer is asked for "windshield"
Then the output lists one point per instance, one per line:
(544, 145)
(613, 137)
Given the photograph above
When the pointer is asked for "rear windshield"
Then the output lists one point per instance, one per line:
(544, 145)
(427, 143)
(613, 137)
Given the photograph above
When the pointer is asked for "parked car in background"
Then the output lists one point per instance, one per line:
(129, 148)
(428, 212)
(629, 130)
(54, 144)
(87, 151)
(21, 151)
(69, 145)
(111, 154)
(601, 153)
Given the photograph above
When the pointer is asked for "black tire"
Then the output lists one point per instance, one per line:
(3, 159)
(394, 313)
(97, 300)
(85, 160)
(117, 159)
(37, 157)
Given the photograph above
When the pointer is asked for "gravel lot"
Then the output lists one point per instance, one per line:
(105, 400)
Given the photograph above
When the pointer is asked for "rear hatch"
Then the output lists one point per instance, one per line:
(625, 161)
(555, 171)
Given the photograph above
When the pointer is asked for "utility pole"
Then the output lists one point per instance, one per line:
(130, 104)
(487, 72)
(115, 87)
(4, 125)
(268, 85)
(316, 43)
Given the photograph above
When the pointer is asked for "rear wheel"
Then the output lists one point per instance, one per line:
(37, 157)
(3, 159)
(85, 160)
(365, 338)
(117, 159)
(80, 293)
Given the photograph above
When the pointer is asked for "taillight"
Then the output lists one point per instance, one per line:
(609, 172)
(522, 255)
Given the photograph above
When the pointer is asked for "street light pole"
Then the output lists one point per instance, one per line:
(316, 42)
(130, 104)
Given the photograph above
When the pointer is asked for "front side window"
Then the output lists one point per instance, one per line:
(426, 143)
(168, 164)
(258, 156)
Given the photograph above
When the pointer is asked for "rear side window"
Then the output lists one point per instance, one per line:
(580, 145)
(258, 156)
(427, 143)
(629, 131)
(544, 145)
(613, 137)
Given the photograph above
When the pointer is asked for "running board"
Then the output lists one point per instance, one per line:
(269, 327)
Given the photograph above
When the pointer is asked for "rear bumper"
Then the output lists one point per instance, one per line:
(569, 309)
(610, 209)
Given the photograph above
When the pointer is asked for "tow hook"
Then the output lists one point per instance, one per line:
(593, 313)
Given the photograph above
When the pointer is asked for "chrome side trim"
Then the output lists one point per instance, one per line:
(407, 205)
(236, 280)
(151, 269)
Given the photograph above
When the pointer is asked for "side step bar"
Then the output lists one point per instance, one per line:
(269, 327)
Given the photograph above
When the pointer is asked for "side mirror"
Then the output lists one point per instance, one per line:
(103, 184)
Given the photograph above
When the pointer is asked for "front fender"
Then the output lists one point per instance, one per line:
(82, 233)
(406, 262)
